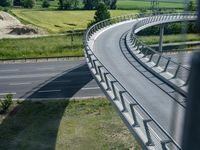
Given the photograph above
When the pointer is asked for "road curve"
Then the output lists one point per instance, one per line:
(159, 105)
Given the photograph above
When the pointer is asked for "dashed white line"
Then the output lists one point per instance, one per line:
(62, 81)
(48, 91)
(24, 83)
(45, 68)
(91, 88)
(10, 70)
(29, 76)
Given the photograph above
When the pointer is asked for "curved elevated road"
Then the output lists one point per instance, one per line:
(149, 99)
(150, 96)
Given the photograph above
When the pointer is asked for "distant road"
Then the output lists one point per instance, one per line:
(48, 80)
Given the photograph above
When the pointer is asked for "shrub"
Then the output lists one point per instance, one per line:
(5, 103)
(101, 13)
(45, 4)
(17, 3)
(28, 3)
(5, 3)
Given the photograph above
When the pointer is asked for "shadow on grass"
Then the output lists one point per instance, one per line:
(34, 125)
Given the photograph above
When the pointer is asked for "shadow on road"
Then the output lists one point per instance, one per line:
(65, 85)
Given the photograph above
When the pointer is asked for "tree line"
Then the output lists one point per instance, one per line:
(62, 4)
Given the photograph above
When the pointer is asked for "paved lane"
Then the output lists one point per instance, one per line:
(160, 105)
(48, 80)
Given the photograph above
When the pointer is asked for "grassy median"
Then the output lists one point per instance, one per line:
(63, 125)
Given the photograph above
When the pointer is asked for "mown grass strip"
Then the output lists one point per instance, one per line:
(63, 125)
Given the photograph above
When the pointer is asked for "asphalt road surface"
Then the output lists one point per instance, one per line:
(167, 112)
(48, 80)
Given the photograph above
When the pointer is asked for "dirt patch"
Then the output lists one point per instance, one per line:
(23, 30)
(13, 28)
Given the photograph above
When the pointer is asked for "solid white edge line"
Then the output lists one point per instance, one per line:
(48, 91)
(2, 94)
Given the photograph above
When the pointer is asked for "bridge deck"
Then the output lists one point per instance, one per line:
(160, 105)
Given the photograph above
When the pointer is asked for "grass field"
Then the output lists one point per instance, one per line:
(41, 47)
(170, 38)
(139, 4)
(129, 4)
(61, 21)
(63, 125)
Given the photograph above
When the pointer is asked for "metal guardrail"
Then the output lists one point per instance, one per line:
(151, 58)
(137, 118)
(149, 21)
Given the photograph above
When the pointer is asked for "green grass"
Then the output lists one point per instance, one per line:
(128, 4)
(62, 21)
(137, 4)
(63, 125)
(41, 47)
(170, 38)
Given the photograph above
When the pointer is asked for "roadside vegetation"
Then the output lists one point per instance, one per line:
(62, 45)
(75, 125)
(5, 103)
(170, 38)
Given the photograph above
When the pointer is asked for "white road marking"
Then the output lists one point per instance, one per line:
(28, 76)
(48, 91)
(61, 81)
(2, 94)
(91, 88)
(44, 75)
(45, 68)
(11, 70)
(24, 83)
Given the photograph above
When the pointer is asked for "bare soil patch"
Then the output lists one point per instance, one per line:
(11, 27)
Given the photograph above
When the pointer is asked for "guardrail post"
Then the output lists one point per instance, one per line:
(114, 91)
(100, 73)
(151, 57)
(136, 124)
(162, 27)
(95, 67)
(176, 73)
(166, 66)
(122, 100)
(163, 144)
(150, 141)
(158, 61)
(188, 79)
(106, 79)
(90, 60)
(147, 50)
